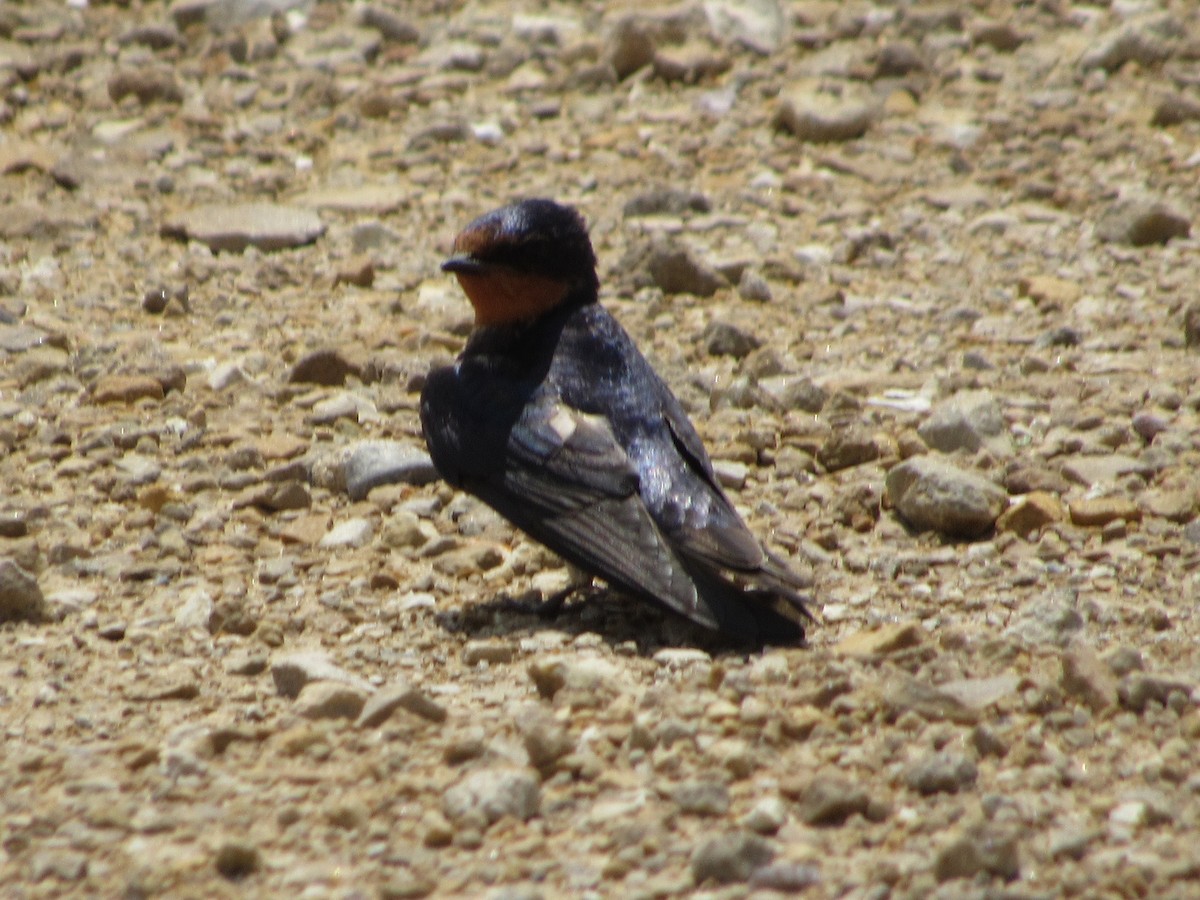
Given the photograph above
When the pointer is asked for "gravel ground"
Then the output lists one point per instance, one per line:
(922, 274)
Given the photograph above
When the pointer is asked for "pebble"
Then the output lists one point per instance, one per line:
(881, 641)
(237, 860)
(979, 849)
(816, 117)
(629, 45)
(932, 493)
(1031, 513)
(767, 816)
(293, 671)
(970, 420)
(127, 389)
(1096, 512)
(546, 739)
(730, 858)
(703, 797)
(852, 446)
(1047, 623)
(355, 532)
(1140, 222)
(483, 796)
(583, 676)
(830, 800)
(946, 772)
(399, 695)
(330, 700)
(1145, 42)
(906, 693)
(147, 85)
(1138, 690)
(676, 270)
(370, 464)
(1098, 470)
(20, 596)
(1085, 677)
(758, 25)
(1175, 109)
(325, 365)
(234, 227)
(666, 201)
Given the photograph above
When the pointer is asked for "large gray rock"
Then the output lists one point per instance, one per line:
(236, 226)
(932, 493)
(373, 463)
(969, 420)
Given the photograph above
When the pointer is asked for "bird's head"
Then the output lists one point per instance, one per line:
(520, 261)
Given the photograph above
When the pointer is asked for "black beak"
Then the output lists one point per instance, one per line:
(464, 263)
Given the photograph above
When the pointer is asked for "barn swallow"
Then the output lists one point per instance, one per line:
(552, 417)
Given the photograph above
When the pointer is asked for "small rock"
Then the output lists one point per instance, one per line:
(787, 878)
(883, 640)
(293, 671)
(666, 201)
(946, 772)
(1084, 676)
(546, 740)
(325, 366)
(330, 700)
(1049, 292)
(730, 858)
(355, 532)
(582, 676)
(629, 46)
(485, 795)
(758, 25)
(852, 446)
(1148, 424)
(970, 420)
(64, 865)
(1096, 512)
(1140, 222)
(234, 227)
(725, 339)
(982, 848)
(932, 493)
(704, 797)
(979, 693)
(767, 816)
(20, 596)
(1000, 36)
(830, 801)
(374, 463)
(822, 118)
(1175, 109)
(897, 59)
(236, 860)
(676, 270)
(689, 63)
(752, 286)
(1138, 690)
(127, 389)
(1103, 469)
(246, 662)
(148, 85)
(487, 651)
(399, 695)
(793, 392)
(1052, 623)
(390, 25)
(1031, 513)
(1146, 42)
(927, 701)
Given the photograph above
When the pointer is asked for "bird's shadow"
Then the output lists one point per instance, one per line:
(620, 621)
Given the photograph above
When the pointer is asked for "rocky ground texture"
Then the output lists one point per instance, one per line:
(924, 275)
